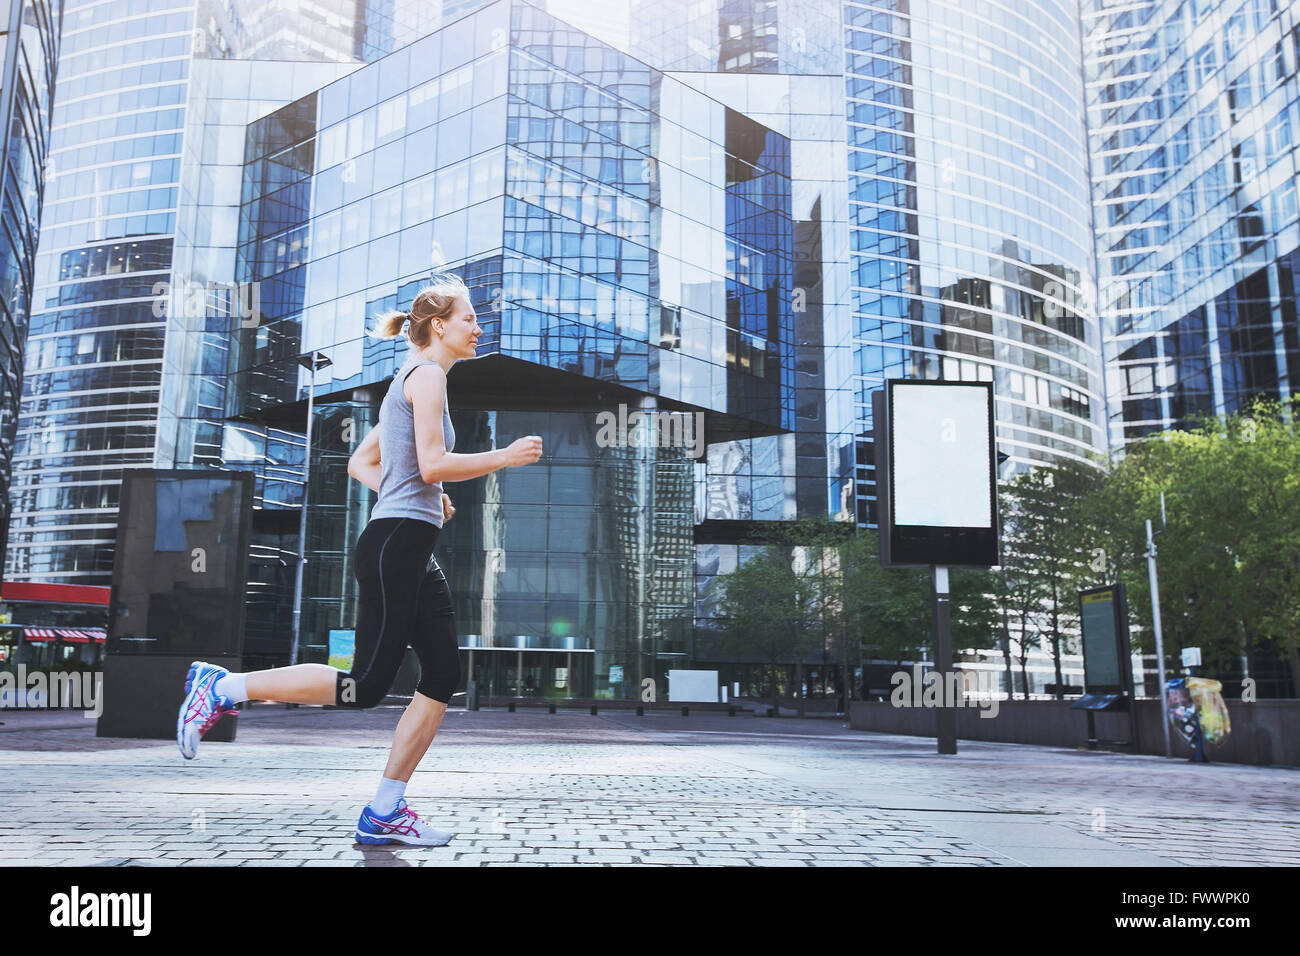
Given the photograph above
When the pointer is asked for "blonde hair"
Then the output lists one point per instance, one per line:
(437, 300)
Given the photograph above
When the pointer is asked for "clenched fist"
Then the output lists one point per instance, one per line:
(447, 509)
(524, 451)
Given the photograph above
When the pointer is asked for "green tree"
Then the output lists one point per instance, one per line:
(829, 557)
(768, 608)
(895, 606)
(1229, 555)
(1030, 505)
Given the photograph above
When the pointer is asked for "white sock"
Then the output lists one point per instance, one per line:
(233, 686)
(386, 797)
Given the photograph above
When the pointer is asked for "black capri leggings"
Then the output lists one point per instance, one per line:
(404, 600)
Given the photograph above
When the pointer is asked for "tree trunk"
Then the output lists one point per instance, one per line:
(1056, 645)
(1024, 649)
(846, 679)
(1293, 654)
(1006, 657)
(798, 685)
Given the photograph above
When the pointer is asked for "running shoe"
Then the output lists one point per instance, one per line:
(202, 706)
(403, 825)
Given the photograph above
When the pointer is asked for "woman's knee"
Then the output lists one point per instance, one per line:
(440, 683)
(359, 692)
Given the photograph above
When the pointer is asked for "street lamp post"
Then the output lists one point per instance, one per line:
(1155, 620)
(313, 362)
(1160, 644)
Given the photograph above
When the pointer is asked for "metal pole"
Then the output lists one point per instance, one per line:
(946, 723)
(302, 523)
(1006, 642)
(1160, 644)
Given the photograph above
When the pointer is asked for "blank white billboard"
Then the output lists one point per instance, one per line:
(942, 456)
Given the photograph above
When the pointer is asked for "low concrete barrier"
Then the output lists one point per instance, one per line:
(1266, 732)
(601, 703)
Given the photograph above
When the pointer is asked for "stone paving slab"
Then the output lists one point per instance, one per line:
(532, 788)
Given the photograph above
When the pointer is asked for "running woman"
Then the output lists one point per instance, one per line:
(403, 594)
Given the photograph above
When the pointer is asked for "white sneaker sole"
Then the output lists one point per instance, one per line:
(374, 839)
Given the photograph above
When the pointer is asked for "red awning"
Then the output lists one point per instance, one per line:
(69, 635)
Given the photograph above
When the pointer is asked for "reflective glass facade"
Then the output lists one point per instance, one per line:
(545, 180)
(781, 64)
(29, 43)
(970, 216)
(327, 30)
(793, 37)
(805, 474)
(626, 240)
(1194, 114)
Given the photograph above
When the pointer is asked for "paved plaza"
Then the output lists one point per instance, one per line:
(617, 789)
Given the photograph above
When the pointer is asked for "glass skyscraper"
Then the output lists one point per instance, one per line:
(629, 244)
(94, 350)
(30, 45)
(1194, 114)
(970, 216)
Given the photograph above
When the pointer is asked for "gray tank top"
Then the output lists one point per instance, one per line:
(402, 492)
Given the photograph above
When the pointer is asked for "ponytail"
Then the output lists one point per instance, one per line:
(436, 300)
(388, 325)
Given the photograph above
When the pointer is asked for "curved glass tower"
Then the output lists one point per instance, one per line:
(1194, 120)
(970, 215)
(30, 44)
(94, 351)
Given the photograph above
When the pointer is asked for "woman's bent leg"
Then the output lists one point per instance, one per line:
(434, 642)
(299, 684)
(389, 558)
(387, 818)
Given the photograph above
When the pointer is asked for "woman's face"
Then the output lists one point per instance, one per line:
(460, 330)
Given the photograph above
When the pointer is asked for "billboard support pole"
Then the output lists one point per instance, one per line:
(946, 712)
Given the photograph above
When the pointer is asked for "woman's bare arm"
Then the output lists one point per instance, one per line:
(364, 464)
(427, 389)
